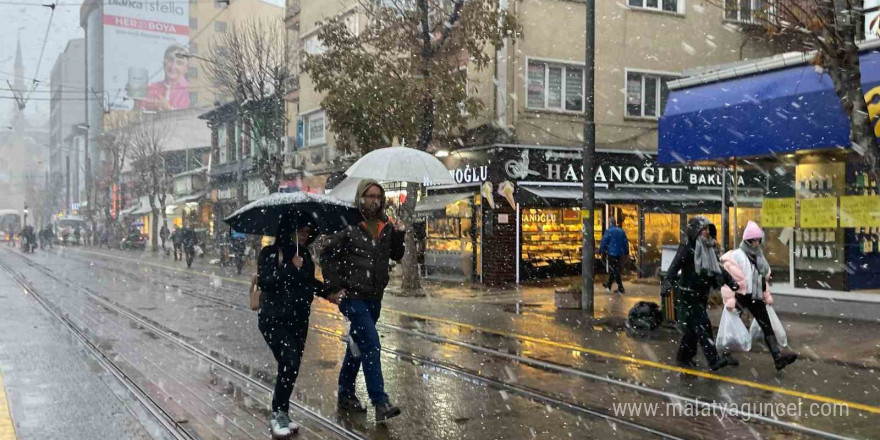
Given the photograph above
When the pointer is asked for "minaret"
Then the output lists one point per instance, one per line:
(19, 88)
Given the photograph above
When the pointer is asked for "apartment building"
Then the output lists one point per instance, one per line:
(207, 19)
(531, 132)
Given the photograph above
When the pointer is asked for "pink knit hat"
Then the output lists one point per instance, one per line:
(752, 231)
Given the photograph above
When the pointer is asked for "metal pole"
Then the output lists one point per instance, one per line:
(725, 211)
(735, 204)
(588, 202)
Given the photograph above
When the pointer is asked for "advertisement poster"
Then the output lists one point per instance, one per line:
(778, 213)
(143, 44)
(860, 211)
(819, 212)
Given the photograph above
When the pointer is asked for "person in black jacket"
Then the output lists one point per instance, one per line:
(357, 259)
(694, 272)
(286, 277)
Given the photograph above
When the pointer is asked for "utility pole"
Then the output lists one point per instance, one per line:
(589, 158)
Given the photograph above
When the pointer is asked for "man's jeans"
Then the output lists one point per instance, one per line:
(363, 315)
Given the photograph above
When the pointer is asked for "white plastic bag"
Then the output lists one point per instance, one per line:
(199, 251)
(756, 332)
(732, 333)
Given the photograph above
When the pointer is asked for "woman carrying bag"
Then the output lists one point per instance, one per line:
(748, 267)
(286, 278)
(694, 272)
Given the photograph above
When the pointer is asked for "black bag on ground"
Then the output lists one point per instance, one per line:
(644, 316)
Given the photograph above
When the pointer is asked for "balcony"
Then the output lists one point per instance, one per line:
(749, 12)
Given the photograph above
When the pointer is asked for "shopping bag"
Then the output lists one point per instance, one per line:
(732, 333)
(756, 332)
(255, 293)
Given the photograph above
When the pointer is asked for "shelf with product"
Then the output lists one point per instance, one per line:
(552, 240)
(819, 242)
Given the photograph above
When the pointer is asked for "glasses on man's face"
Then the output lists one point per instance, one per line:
(372, 196)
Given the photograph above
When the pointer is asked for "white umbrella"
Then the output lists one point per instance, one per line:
(401, 164)
(346, 190)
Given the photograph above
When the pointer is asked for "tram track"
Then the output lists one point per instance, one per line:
(530, 393)
(178, 431)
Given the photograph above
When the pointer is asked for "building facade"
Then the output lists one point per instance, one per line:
(534, 92)
(66, 128)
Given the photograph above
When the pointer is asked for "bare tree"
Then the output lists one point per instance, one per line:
(831, 29)
(115, 143)
(404, 77)
(148, 138)
(251, 63)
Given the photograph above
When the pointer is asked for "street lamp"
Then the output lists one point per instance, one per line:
(25, 213)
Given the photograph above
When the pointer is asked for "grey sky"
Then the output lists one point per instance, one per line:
(31, 22)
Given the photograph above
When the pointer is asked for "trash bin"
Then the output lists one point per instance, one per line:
(667, 305)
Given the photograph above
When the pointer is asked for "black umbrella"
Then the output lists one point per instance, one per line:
(289, 211)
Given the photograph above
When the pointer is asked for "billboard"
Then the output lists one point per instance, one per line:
(143, 41)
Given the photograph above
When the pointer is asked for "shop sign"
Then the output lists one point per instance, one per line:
(226, 193)
(778, 213)
(819, 212)
(470, 174)
(529, 164)
(256, 189)
(539, 217)
(859, 212)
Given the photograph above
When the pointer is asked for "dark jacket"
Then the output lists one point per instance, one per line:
(286, 289)
(354, 261)
(682, 273)
(614, 242)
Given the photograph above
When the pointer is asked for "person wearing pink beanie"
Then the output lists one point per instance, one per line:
(748, 267)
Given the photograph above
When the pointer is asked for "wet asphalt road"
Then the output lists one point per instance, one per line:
(446, 390)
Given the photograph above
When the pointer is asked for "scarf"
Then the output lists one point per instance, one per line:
(705, 259)
(760, 269)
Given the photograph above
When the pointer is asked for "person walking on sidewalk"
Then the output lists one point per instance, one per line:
(751, 272)
(286, 277)
(163, 235)
(357, 259)
(694, 272)
(615, 246)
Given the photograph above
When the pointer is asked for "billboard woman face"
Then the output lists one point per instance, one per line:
(175, 66)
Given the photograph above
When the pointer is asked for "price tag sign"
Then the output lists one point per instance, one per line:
(778, 213)
(820, 212)
(860, 211)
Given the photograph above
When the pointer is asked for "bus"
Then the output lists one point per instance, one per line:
(10, 220)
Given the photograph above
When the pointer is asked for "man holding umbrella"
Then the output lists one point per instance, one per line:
(356, 259)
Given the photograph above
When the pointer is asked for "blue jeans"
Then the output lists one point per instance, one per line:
(363, 315)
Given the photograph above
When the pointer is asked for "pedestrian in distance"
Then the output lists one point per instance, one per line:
(163, 235)
(615, 247)
(177, 243)
(749, 269)
(286, 277)
(357, 259)
(76, 235)
(694, 272)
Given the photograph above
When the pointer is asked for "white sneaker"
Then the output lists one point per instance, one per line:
(281, 424)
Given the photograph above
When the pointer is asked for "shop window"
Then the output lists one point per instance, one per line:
(627, 217)
(222, 140)
(552, 240)
(660, 230)
(646, 94)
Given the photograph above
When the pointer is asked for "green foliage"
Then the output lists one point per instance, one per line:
(393, 81)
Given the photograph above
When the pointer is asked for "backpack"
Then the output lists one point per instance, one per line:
(644, 316)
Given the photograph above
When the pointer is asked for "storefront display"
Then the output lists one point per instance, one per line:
(535, 228)
(451, 240)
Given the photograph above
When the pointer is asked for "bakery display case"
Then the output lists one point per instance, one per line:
(450, 243)
(552, 239)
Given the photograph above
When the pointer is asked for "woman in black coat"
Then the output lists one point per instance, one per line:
(286, 277)
(694, 272)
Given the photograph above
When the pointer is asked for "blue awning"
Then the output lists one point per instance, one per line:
(780, 111)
